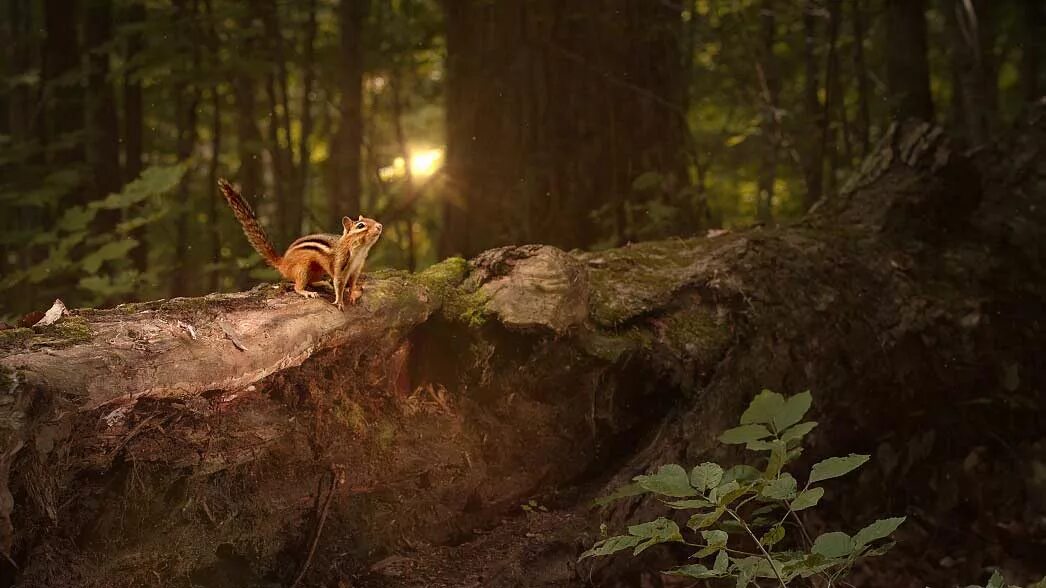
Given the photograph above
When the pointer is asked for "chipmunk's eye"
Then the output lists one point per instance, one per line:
(361, 226)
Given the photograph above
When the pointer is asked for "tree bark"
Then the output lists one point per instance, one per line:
(133, 113)
(907, 63)
(345, 164)
(771, 82)
(64, 114)
(970, 23)
(194, 436)
(186, 104)
(1033, 49)
(813, 163)
(864, 116)
(623, 76)
(103, 134)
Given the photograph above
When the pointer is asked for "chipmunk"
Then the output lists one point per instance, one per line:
(308, 258)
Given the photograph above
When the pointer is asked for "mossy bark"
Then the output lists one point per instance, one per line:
(474, 409)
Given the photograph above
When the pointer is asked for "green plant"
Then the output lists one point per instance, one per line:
(743, 514)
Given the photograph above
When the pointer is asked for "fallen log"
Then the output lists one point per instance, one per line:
(476, 408)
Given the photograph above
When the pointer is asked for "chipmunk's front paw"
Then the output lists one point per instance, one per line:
(354, 296)
(308, 293)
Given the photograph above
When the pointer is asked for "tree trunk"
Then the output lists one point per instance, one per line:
(344, 165)
(187, 101)
(1033, 49)
(834, 99)
(771, 82)
(970, 24)
(622, 76)
(813, 164)
(103, 134)
(248, 151)
(864, 116)
(907, 65)
(304, 150)
(64, 113)
(133, 136)
(197, 438)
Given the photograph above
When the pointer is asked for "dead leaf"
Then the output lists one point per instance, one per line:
(53, 314)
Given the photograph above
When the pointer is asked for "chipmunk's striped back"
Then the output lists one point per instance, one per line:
(320, 242)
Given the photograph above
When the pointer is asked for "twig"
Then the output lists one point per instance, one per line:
(319, 527)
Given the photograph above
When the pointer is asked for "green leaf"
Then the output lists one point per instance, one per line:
(793, 411)
(657, 531)
(622, 492)
(740, 473)
(996, 581)
(763, 408)
(778, 457)
(706, 476)
(832, 545)
(108, 252)
(774, 535)
(761, 445)
(725, 493)
(722, 562)
(715, 537)
(670, 480)
(807, 499)
(688, 504)
(611, 545)
(705, 520)
(744, 434)
(834, 467)
(797, 432)
(880, 529)
(696, 571)
(781, 488)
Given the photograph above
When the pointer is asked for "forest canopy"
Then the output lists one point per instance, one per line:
(460, 124)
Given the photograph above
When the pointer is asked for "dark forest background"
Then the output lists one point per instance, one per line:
(460, 124)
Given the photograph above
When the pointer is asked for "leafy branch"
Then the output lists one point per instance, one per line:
(753, 505)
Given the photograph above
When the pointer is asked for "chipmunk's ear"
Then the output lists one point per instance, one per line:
(359, 219)
(346, 223)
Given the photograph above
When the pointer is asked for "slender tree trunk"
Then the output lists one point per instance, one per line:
(907, 65)
(187, 101)
(813, 161)
(304, 152)
(61, 57)
(288, 202)
(344, 166)
(103, 134)
(1033, 48)
(248, 149)
(212, 181)
(970, 23)
(408, 171)
(864, 115)
(214, 42)
(833, 102)
(770, 132)
(19, 52)
(133, 136)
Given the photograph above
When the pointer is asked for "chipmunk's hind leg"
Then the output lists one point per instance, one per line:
(301, 279)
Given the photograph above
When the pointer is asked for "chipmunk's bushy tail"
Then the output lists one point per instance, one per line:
(249, 221)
